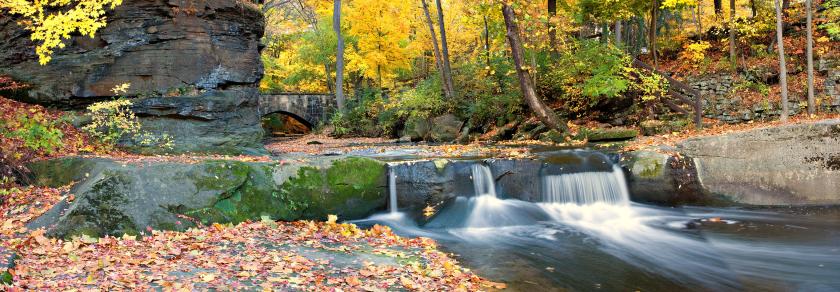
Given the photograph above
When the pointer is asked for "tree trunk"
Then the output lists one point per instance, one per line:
(732, 57)
(782, 66)
(700, 22)
(444, 83)
(339, 57)
(753, 8)
(328, 78)
(810, 52)
(718, 8)
(618, 29)
(447, 67)
(652, 31)
(552, 30)
(543, 112)
(487, 40)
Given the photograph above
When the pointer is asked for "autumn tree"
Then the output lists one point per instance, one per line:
(53, 22)
(782, 65)
(542, 111)
(339, 56)
(447, 88)
(732, 53)
(810, 56)
(447, 66)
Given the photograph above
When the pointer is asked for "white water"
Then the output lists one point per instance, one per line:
(483, 181)
(586, 188)
(392, 190)
(617, 236)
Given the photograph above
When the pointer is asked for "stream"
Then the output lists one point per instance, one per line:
(586, 234)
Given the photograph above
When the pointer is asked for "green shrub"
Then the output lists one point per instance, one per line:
(113, 121)
(361, 117)
(38, 133)
(593, 73)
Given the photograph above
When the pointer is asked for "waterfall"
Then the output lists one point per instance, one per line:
(392, 189)
(483, 181)
(586, 188)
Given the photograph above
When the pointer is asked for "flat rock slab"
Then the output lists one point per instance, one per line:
(792, 164)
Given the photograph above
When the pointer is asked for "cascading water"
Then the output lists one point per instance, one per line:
(587, 188)
(392, 190)
(484, 209)
(587, 229)
(483, 181)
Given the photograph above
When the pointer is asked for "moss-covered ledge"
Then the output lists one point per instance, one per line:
(116, 198)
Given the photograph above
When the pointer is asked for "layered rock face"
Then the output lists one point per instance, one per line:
(194, 64)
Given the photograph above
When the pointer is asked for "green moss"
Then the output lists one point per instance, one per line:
(553, 136)
(651, 168)
(350, 188)
(612, 134)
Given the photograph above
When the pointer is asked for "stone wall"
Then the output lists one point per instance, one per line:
(195, 63)
(831, 69)
(719, 104)
(713, 85)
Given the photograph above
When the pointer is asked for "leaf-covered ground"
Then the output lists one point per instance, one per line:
(306, 256)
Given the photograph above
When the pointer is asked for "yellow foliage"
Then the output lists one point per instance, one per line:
(695, 52)
(53, 21)
(114, 120)
(383, 34)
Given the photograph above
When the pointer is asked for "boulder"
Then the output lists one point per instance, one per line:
(417, 129)
(445, 128)
(165, 50)
(115, 198)
(664, 179)
(786, 165)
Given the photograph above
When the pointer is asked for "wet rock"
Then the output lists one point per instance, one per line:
(659, 178)
(430, 183)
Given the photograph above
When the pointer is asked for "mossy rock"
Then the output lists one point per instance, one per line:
(350, 188)
(610, 134)
(553, 136)
(117, 199)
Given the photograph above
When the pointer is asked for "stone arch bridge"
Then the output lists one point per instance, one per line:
(310, 108)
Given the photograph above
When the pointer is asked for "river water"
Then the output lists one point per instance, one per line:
(585, 234)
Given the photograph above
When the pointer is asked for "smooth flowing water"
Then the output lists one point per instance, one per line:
(392, 190)
(586, 234)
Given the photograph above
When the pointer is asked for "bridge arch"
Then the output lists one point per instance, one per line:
(311, 108)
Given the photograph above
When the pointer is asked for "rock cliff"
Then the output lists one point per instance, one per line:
(193, 64)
